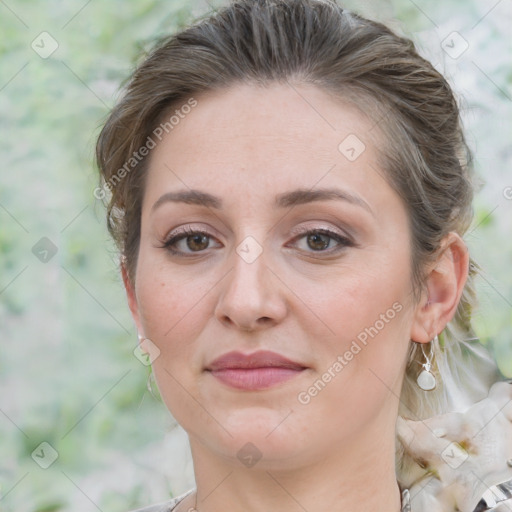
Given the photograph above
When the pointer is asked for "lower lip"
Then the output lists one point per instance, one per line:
(254, 378)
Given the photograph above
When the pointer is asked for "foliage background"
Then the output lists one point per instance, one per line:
(68, 375)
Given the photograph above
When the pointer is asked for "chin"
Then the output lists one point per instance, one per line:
(266, 434)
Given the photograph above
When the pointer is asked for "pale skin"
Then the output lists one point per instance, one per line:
(245, 146)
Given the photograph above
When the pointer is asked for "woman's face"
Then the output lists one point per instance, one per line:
(285, 237)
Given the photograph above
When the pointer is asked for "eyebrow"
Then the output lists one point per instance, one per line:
(284, 200)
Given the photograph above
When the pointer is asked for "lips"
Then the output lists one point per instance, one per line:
(256, 371)
(260, 359)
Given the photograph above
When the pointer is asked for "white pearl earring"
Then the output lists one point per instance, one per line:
(426, 379)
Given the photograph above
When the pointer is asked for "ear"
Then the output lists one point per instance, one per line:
(131, 297)
(443, 288)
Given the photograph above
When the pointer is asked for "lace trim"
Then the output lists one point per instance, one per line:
(406, 501)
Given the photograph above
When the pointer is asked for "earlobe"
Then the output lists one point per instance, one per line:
(443, 288)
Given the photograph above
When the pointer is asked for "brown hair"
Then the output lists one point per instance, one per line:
(317, 42)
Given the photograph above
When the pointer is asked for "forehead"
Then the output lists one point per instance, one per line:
(256, 138)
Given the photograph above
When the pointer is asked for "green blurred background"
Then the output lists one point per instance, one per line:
(68, 375)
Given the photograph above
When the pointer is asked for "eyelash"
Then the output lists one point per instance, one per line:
(343, 242)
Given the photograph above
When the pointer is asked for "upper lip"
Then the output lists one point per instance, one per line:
(260, 359)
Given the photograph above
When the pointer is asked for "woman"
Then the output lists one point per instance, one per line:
(289, 186)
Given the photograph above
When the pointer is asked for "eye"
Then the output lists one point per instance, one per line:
(322, 240)
(187, 241)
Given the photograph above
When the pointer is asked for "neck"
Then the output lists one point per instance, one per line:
(358, 476)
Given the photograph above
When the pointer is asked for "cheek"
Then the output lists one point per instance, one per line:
(167, 297)
(172, 305)
(360, 373)
(174, 309)
(354, 297)
(368, 312)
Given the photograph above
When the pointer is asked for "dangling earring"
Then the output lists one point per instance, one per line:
(151, 376)
(149, 386)
(426, 379)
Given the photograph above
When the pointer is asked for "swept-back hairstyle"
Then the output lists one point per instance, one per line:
(424, 156)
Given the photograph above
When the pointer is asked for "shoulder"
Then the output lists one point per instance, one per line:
(166, 506)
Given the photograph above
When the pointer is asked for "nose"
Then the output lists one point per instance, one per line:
(252, 297)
